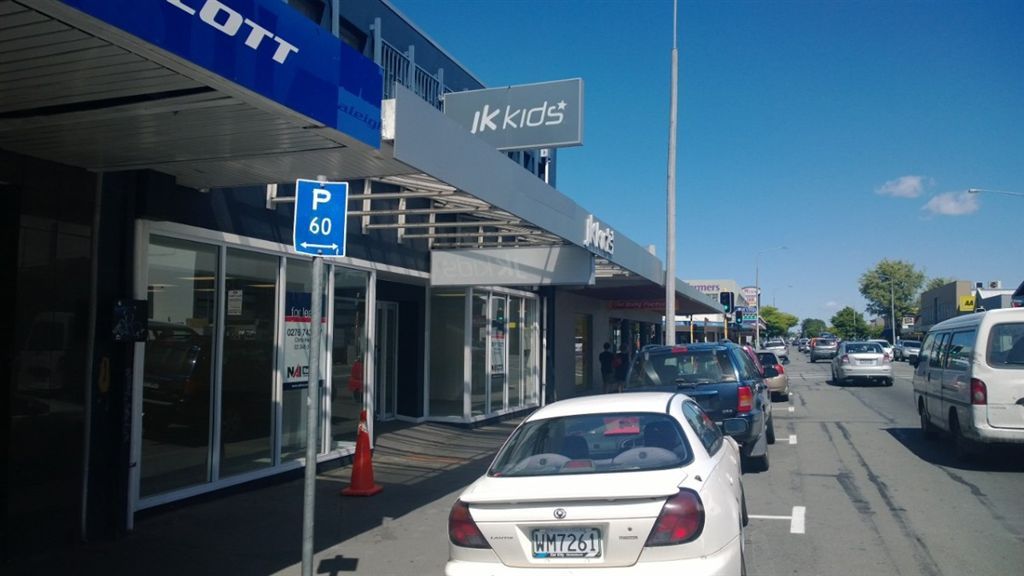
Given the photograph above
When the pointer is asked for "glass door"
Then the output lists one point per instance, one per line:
(386, 361)
(499, 349)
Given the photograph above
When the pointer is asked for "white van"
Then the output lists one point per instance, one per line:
(969, 378)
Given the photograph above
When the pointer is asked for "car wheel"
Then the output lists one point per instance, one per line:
(926, 424)
(961, 445)
(888, 381)
(770, 431)
(743, 508)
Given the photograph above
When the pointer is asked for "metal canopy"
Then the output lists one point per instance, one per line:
(111, 104)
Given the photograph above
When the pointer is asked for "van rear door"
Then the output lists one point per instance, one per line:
(1005, 381)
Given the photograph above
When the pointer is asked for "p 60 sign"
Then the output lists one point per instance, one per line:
(320, 212)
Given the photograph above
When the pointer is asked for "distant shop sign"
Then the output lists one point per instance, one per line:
(637, 305)
(545, 115)
(749, 294)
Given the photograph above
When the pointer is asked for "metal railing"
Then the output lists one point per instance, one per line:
(401, 69)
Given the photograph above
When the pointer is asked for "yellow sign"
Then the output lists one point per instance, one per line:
(967, 303)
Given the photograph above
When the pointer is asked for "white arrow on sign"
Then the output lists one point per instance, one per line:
(308, 245)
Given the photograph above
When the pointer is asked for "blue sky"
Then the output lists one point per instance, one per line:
(846, 131)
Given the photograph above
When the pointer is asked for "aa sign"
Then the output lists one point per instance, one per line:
(967, 303)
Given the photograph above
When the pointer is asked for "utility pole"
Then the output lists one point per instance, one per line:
(670, 242)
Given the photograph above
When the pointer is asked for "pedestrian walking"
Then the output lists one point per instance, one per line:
(607, 358)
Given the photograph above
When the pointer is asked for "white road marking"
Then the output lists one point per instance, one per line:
(796, 525)
(791, 409)
(792, 438)
(796, 520)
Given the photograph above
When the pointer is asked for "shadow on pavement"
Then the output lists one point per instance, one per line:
(1002, 458)
(256, 528)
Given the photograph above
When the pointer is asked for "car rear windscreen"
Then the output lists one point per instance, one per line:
(1006, 346)
(681, 366)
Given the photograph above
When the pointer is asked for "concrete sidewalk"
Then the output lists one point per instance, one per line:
(401, 531)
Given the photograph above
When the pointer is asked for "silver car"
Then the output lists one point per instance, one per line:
(779, 348)
(823, 349)
(861, 361)
(907, 350)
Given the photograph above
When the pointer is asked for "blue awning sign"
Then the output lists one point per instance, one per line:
(264, 46)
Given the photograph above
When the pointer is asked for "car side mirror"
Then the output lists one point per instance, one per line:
(770, 372)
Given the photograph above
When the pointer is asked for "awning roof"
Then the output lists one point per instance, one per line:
(79, 91)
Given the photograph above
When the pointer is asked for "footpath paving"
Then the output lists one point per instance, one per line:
(400, 531)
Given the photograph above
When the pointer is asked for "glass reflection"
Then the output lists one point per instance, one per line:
(348, 349)
(248, 368)
(178, 365)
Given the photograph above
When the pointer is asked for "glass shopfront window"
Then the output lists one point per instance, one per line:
(447, 349)
(478, 361)
(247, 401)
(516, 369)
(531, 353)
(583, 347)
(499, 341)
(178, 367)
(348, 355)
(297, 316)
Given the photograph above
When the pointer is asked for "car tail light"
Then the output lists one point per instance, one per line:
(681, 520)
(780, 368)
(886, 357)
(844, 359)
(745, 401)
(979, 393)
(462, 530)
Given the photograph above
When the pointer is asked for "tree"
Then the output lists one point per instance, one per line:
(937, 283)
(892, 284)
(777, 322)
(876, 332)
(850, 324)
(812, 327)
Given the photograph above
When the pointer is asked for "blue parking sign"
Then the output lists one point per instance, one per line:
(320, 212)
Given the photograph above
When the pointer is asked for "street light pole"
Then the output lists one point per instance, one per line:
(757, 290)
(979, 190)
(670, 243)
(892, 304)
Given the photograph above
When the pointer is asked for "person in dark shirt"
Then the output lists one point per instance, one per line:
(606, 358)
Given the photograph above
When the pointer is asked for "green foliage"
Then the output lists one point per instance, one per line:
(850, 324)
(777, 322)
(876, 331)
(937, 283)
(891, 281)
(812, 327)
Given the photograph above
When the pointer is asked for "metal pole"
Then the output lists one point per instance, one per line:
(670, 243)
(892, 317)
(757, 300)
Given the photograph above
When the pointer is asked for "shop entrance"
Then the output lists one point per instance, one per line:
(385, 361)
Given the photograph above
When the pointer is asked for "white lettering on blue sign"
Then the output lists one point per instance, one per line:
(223, 18)
(514, 119)
(603, 238)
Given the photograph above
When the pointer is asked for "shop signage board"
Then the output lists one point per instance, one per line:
(264, 46)
(749, 294)
(298, 322)
(321, 209)
(544, 115)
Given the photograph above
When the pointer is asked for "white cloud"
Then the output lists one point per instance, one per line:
(952, 204)
(831, 304)
(903, 187)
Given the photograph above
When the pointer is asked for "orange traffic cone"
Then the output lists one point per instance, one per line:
(362, 465)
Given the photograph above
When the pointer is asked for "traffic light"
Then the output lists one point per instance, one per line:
(726, 300)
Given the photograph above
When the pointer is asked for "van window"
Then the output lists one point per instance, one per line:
(961, 347)
(926, 350)
(938, 355)
(1006, 346)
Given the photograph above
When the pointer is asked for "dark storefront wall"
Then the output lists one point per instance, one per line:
(49, 234)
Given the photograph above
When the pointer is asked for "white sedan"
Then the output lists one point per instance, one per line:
(639, 483)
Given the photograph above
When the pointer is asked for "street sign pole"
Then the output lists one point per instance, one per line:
(312, 419)
(321, 209)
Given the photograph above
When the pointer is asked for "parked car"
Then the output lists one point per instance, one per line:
(779, 347)
(861, 361)
(602, 484)
(777, 385)
(823, 349)
(801, 344)
(887, 348)
(907, 349)
(969, 379)
(723, 379)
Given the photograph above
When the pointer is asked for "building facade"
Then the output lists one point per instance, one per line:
(160, 342)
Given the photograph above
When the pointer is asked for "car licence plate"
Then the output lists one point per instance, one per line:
(865, 362)
(566, 542)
